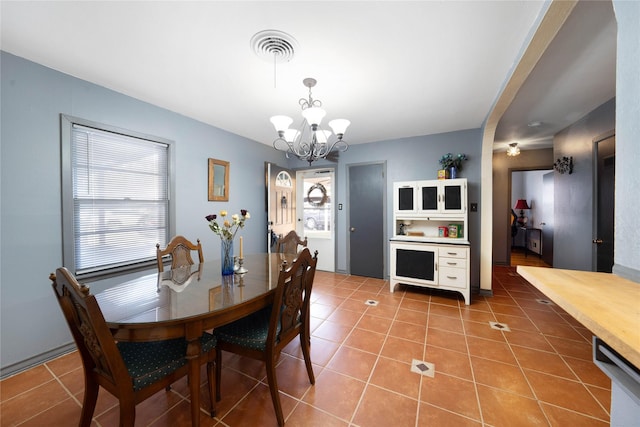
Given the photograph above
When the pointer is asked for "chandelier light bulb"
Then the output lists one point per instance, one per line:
(281, 123)
(322, 136)
(513, 149)
(339, 126)
(290, 135)
(314, 115)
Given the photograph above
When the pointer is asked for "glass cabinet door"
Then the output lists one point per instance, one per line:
(452, 197)
(429, 197)
(405, 197)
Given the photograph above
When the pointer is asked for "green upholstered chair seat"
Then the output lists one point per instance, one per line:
(249, 332)
(148, 362)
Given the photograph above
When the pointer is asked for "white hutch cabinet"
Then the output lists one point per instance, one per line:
(429, 247)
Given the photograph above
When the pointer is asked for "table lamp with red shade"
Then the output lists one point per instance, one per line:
(522, 205)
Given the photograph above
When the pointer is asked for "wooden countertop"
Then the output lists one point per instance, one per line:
(606, 304)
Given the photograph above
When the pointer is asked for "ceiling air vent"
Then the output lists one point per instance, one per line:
(273, 45)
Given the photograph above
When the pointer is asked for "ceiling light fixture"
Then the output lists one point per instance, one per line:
(513, 150)
(311, 142)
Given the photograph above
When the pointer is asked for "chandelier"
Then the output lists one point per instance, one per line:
(513, 150)
(310, 142)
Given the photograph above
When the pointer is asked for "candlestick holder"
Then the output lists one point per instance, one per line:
(241, 269)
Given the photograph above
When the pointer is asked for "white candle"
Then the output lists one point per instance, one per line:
(241, 254)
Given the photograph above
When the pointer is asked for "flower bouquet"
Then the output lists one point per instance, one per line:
(451, 164)
(227, 230)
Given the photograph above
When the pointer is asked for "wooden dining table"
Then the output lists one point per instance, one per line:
(186, 301)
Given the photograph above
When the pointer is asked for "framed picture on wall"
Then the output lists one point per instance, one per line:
(218, 180)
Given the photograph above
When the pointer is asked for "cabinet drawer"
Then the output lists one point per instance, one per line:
(455, 277)
(452, 262)
(452, 252)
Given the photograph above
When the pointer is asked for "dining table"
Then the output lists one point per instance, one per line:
(187, 301)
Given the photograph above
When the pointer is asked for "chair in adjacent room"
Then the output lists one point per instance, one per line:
(131, 371)
(289, 243)
(263, 335)
(180, 250)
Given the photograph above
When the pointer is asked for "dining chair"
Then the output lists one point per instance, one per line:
(263, 334)
(180, 250)
(289, 243)
(131, 371)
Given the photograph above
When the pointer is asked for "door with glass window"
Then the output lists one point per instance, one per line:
(281, 202)
(316, 214)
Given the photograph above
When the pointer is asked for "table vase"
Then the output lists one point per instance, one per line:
(226, 256)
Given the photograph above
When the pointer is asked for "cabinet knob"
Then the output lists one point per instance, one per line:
(352, 229)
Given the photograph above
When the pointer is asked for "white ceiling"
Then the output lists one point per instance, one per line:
(394, 68)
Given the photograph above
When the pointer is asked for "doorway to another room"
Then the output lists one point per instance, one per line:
(531, 237)
(605, 176)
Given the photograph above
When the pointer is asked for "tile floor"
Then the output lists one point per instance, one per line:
(533, 367)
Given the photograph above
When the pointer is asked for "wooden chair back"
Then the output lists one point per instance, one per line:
(179, 248)
(103, 361)
(263, 335)
(292, 301)
(289, 244)
(93, 338)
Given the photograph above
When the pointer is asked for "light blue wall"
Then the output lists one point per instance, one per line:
(627, 225)
(33, 97)
(411, 159)
(573, 194)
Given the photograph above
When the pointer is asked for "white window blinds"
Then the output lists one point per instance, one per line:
(120, 198)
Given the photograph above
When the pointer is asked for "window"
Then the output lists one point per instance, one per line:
(317, 209)
(115, 197)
